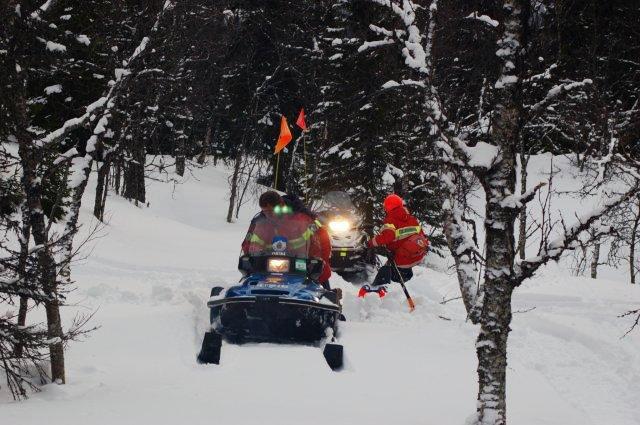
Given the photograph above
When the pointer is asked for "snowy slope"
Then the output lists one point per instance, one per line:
(149, 276)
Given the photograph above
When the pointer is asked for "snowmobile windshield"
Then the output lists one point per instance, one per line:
(284, 232)
(338, 213)
(336, 200)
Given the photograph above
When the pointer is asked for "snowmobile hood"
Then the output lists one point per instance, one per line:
(284, 286)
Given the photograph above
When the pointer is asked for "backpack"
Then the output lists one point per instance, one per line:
(414, 247)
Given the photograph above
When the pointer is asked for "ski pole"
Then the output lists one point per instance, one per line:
(412, 305)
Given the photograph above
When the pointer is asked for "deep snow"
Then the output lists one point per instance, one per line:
(149, 276)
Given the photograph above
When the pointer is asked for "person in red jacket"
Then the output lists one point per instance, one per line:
(319, 240)
(402, 235)
(287, 216)
(268, 201)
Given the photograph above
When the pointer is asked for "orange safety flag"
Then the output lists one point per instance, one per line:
(285, 135)
(300, 122)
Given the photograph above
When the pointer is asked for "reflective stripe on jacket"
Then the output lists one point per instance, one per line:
(398, 226)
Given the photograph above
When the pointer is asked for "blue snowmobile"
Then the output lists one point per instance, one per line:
(278, 300)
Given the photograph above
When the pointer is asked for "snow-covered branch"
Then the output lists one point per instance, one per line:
(542, 76)
(98, 106)
(413, 51)
(484, 18)
(516, 202)
(12, 287)
(557, 91)
(44, 8)
(374, 44)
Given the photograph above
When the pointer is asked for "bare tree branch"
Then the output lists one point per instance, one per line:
(557, 247)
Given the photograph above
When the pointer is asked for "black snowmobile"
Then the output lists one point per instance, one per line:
(278, 299)
(350, 257)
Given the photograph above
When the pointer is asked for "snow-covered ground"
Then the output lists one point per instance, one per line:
(148, 278)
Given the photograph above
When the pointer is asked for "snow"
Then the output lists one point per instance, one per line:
(484, 18)
(121, 72)
(380, 31)
(266, 120)
(101, 127)
(83, 39)
(390, 84)
(346, 154)
(373, 44)
(143, 45)
(506, 80)
(65, 156)
(481, 155)
(53, 89)
(413, 83)
(97, 104)
(52, 46)
(46, 5)
(148, 278)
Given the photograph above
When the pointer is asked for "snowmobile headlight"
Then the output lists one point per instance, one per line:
(339, 225)
(278, 265)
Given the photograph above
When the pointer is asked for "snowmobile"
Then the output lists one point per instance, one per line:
(277, 300)
(350, 257)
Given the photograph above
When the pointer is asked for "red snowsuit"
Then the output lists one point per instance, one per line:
(318, 241)
(397, 235)
(305, 237)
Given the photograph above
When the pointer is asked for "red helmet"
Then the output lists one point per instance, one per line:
(392, 202)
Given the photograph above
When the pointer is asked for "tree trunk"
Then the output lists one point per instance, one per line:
(595, 260)
(134, 188)
(632, 246)
(180, 155)
(205, 145)
(25, 235)
(46, 263)
(499, 183)
(522, 236)
(30, 158)
(80, 175)
(491, 349)
(234, 186)
(180, 165)
(245, 186)
(117, 173)
(495, 318)
(632, 257)
(102, 188)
